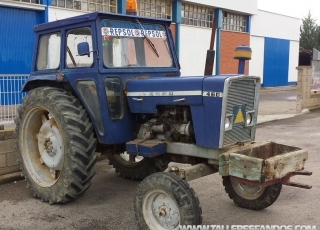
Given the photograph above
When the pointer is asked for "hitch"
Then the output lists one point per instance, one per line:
(285, 180)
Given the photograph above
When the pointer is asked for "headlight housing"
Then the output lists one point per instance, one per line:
(250, 118)
(228, 122)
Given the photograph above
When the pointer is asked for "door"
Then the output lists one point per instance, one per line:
(276, 62)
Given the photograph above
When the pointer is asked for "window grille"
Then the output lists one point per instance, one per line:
(28, 1)
(87, 5)
(155, 8)
(234, 22)
(195, 15)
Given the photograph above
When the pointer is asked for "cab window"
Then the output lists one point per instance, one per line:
(74, 37)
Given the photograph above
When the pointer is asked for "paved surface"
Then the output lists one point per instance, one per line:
(108, 203)
(277, 103)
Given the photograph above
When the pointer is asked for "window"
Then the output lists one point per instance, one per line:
(88, 5)
(113, 90)
(234, 22)
(29, 1)
(155, 8)
(197, 15)
(49, 51)
(74, 37)
(133, 44)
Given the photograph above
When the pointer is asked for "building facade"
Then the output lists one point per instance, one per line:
(274, 38)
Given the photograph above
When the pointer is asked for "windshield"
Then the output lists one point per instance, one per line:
(134, 44)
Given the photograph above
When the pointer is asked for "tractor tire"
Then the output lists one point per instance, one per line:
(251, 197)
(55, 144)
(165, 201)
(132, 167)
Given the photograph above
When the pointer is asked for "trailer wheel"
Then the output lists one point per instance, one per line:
(134, 167)
(165, 201)
(251, 197)
(55, 145)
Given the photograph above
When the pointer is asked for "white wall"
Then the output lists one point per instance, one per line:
(293, 61)
(257, 59)
(244, 6)
(267, 24)
(194, 43)
(55, 13)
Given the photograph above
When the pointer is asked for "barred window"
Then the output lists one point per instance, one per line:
(234, 22)
(28, 1)
(88, 5)
(155, 8)
(197, 15)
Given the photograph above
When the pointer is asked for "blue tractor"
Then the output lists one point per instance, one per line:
(111, 83)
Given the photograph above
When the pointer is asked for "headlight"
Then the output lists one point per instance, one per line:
(227, 123)
(249, 119)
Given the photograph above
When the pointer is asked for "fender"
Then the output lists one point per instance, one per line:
(42, 80)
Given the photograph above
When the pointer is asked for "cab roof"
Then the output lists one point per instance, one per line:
(93, 16)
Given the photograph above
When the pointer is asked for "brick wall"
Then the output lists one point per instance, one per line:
(8, 155)
(305, 98)
(229, 41)
(173, 30)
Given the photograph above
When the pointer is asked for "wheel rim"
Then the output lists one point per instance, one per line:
(160, 211)
(128, 159)
(42, 147)
(246, 191)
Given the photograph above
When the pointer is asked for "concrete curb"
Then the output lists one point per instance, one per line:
(277, 89)
(8, 178)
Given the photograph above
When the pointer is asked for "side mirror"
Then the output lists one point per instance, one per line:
(83, 49)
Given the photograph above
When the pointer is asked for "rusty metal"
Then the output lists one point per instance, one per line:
(208, 70)
(193, 172)
(285, 180)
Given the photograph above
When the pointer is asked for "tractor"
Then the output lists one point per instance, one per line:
(111, 83)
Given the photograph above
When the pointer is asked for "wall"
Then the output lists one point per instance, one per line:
(8, 155)
(267, 24)
(274, 26)
(57, 13)
(16, 39)
(194, 44)
(246, 6)
(256, 62)
(229, 41)
(293, 61)
(305, 98)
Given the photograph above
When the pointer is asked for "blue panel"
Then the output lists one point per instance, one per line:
(207, 118)
(276, 62)
(121, 6)
(163, 90)
(150, 148)
(16, 40)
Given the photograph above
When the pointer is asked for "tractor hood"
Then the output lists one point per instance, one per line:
(145, 94)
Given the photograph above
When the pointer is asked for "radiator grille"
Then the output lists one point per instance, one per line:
(241, 92)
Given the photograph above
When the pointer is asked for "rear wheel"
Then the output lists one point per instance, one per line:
(165, 201)
(251, 197)
(134, 167)
(55, 144)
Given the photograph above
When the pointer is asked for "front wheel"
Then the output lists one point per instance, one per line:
(55, 145)
(165, 201)
(251, 197)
